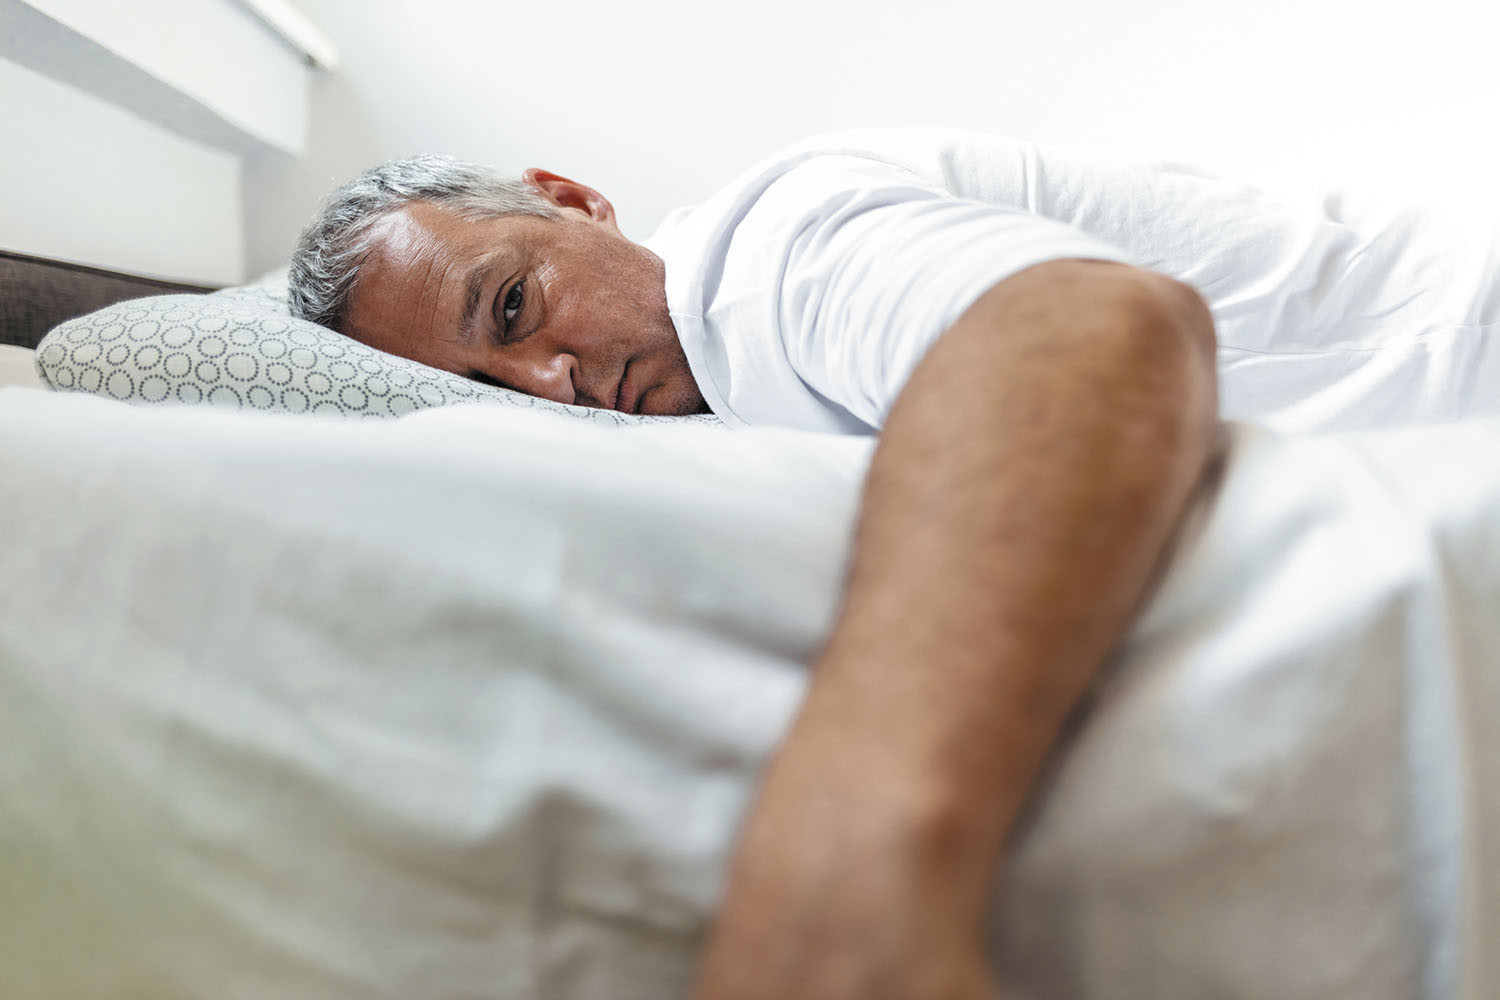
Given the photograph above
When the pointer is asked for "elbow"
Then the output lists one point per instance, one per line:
(1186, 314)
(1173, 334)
(1163, 358)
(1143, 320)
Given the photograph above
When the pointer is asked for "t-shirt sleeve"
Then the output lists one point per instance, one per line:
(879, 262)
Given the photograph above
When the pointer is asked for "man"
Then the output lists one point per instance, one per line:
(1045, 408)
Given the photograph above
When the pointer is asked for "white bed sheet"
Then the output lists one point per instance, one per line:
(468, 705)
(18, 367)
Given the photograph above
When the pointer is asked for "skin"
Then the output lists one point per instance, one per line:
(568, 309)
(1026, 484)
(1025, 487)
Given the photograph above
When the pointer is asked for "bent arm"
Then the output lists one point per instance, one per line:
(1026, 484)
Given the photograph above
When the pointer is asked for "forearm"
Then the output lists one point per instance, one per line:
(1026, 484)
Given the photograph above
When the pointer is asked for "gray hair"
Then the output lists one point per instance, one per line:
(327, 258)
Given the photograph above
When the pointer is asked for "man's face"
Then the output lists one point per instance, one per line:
(565, 309)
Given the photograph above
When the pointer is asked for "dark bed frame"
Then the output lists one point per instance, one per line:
(36, 293)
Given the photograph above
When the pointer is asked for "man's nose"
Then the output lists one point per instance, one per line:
(549, 378)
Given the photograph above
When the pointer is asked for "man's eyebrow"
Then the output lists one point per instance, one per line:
(473, 289)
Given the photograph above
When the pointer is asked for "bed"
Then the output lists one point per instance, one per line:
(467, 703)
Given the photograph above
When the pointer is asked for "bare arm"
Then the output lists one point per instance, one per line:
(1024, 488)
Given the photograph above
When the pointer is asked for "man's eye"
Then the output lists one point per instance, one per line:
(515, 299)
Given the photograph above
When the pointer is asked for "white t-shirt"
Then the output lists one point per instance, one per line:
(806, 291)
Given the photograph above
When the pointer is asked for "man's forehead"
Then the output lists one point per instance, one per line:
(422, 245)
(409, 248)
(420, 228)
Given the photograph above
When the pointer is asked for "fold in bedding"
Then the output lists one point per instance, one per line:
(469, 704)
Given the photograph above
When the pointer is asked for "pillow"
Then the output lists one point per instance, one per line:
(241, 348)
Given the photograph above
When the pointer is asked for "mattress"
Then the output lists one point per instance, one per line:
(469, 704)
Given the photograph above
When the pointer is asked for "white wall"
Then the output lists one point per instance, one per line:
(125, 124)
(89, 182)
(657, 101)
(210, 69)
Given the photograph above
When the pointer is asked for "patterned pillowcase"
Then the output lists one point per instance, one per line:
(241, 348)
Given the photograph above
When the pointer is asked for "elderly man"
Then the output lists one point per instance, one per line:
(1045, 407)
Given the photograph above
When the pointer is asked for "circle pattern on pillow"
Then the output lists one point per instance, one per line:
(240, 348)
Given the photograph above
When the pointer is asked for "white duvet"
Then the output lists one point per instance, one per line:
(468, 705)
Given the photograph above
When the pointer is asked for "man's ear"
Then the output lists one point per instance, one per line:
(571, 194)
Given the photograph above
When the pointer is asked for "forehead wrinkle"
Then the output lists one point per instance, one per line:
(436, 272)
(423, 302)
